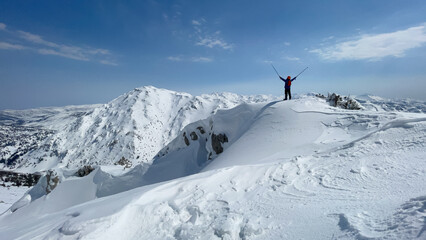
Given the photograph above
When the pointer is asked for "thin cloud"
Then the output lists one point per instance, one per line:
(198, 22)
(175, 59)
(189, 59)
(195, 22)
(67, 51)
(38, 44)
(108, 62)
(287, 43)
(70, 54)
(202, 59)
(212, 41)
(166, 17)
(36, 39)
(328, 38)
(9, 46)
(99, 51)
(207, 39)
(375, 47)
(292, 58)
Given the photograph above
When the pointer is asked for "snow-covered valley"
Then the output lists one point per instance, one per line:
(265, 169)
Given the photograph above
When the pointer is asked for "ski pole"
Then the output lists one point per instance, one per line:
(301, 72)
(275, 70)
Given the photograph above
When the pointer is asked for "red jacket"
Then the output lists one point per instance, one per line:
(287, 82)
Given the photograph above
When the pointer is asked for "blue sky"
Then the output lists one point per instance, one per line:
(56, 53)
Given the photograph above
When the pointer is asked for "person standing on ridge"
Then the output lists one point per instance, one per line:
(287, 86)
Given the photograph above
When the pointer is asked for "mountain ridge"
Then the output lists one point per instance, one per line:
(134, 126)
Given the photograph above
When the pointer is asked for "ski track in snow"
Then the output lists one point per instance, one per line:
(294, 170)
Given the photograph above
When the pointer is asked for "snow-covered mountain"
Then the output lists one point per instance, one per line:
(298, 169)
(134, 126)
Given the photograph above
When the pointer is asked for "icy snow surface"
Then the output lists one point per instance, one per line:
(297, 169)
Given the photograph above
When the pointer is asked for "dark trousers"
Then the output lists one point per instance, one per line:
(287, 92)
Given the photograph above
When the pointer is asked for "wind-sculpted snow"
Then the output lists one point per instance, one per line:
(298, 169)
(133, 127)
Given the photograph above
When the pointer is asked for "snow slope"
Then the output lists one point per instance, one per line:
(9, 195)
(298, 169)
(135, 126)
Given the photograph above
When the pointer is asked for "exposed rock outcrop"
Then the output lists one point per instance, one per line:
(124, 162)
(52, 180)
(85, 170)
(336, 100)
(193, 136)
(217, 141)
(185, 138)
(201, 129)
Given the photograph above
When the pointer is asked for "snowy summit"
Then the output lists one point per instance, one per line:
(221, 166)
